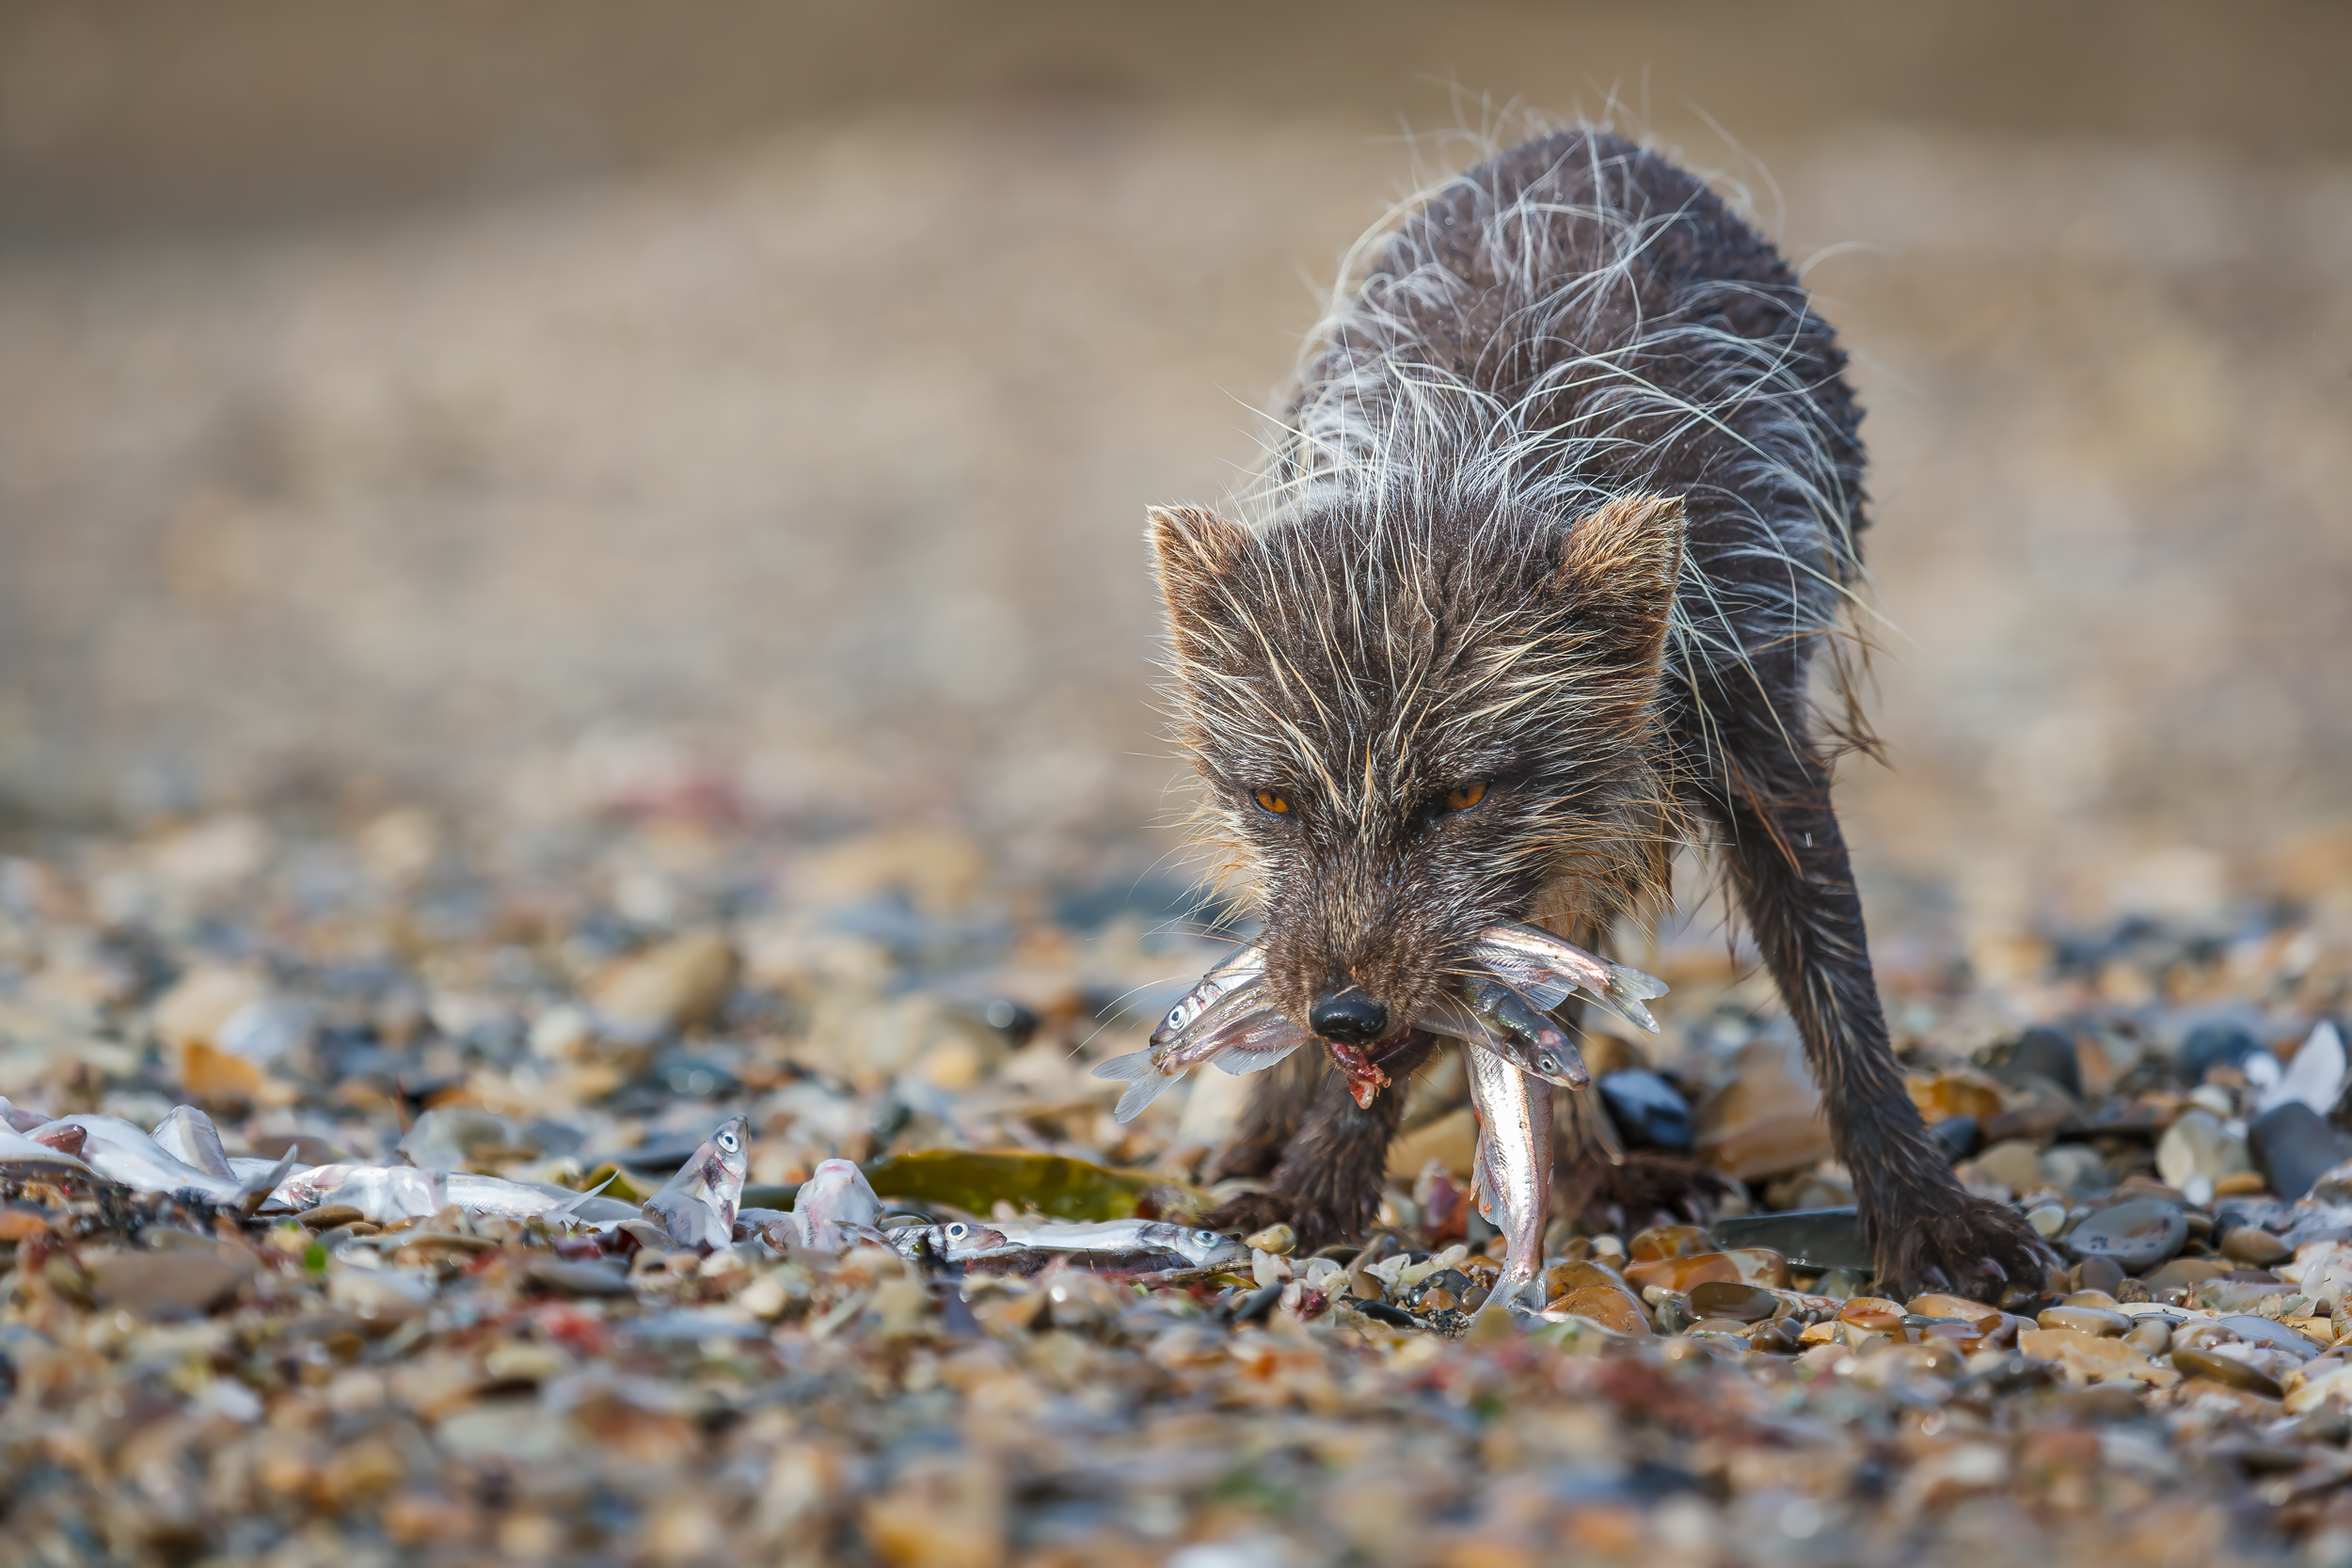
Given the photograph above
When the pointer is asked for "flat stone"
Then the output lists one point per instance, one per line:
(1723, 1299)
(1873, 1312)
(2090, 1320)
(1649, 1111)
(2134, 1236)
(1668, 1241)
(1612, 1307)
(163, 1285)
(1766, 1118)
(2102, 1275)
(2015, 1164)
(2293, 1147)
(2043, 1052)
(2225, 1371)
(2198, 1145)
(2183, 1273)
(1807, 1237)
(2268, 1332)
(577, 1279)
(2251, 1244)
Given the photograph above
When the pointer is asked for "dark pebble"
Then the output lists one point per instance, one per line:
(2044, 1054)
(1779, 1336)
(2214, 1045)
(1958, 1136)
(1808, 1238)
(328, 1215)
(1726, 1299)
(577, 1279)
(2138, 1235)
(1381, 1312)
(2293, 1147)
(2222, 1370)
(1649, 1111)
(2099, 1274)
(1258, 1304)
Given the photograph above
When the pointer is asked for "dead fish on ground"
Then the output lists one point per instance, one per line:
(188, 1136)
(382, 1194)
(1023, 1246)
(24, 1155)
(697, 1205)
(122, 1153)
(834, 1208)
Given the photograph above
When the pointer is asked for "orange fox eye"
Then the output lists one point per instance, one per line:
(1268, 800)
(1462, 797)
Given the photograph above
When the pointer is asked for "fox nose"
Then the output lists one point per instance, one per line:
(1349, 1017)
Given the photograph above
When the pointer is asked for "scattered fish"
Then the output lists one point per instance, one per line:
(1023, 1246)
(20, 1155)
(188, 1136)
(122, 1153)
(697, 1205)
(382, 1194)
(835, 1207)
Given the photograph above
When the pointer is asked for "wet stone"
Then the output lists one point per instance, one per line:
(1668, 1241)
(157, 1285)
(1808, 1238)
(578, 1279)
(2198, 1146)
(1724, 1299)
(2090, 1320)
(2104, 1274)
(2293, 1147)
(2226, 1370)
(1649, 1111)
(2251, 1244)
(2134, 1236)
(1875, 1313)
(2044, 1054)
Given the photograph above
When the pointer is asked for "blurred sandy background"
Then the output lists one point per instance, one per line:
(508, 406)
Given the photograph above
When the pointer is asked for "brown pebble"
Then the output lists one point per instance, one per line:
(1668, 1241)
(326, 1216)
(2251, 1244)
(1280, 1240)
(161, 1284)
(2225, 1369)
(1720, 1298)
(2090, 1319)
(1873, 1312)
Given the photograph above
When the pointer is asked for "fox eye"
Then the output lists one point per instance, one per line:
(1272, 801)
(1462, 797)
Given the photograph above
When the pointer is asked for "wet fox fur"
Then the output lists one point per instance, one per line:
(1562, 523)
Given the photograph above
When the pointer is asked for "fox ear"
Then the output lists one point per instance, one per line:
(1617, 574)
(1191, 548)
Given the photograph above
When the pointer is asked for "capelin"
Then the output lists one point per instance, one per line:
(1240, 1031)
(1245, 965)
(1511, 1027)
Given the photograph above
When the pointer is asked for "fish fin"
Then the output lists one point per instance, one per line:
(1625, 980)
(1131, 1068)
(1145, 1089)
(258, 1190)
(1238, 1063)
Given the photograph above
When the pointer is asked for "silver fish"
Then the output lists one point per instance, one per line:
(523, 1200)
(973, 1242)
(188, 1136)
(1545, 969)
(1490, 1017)
(833, 1208)
(22, 1156)
(1514, 1166)
(122, 1153)
(697, 1205)
(1246, 964)
(382, 1194)
(17, 1119)
(1240, 1033)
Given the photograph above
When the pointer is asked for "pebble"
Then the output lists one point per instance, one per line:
(1957, 1137)
(1724, 1299)
(2214, 1045)
(2225, 1369)
(2090, 1320)
(2015, 1164)
(1649, 1111)
(2048, 1219)
(183, 1284)
(2294, 1146)
(2251, 1244)
(1280, 1240)
(2103, 1275)
(2196, 1145)
(1766, 1117)
(1806, 1238)
(2047, 1054)
(2134, 1236)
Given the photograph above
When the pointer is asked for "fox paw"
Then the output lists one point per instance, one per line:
(1642, 1191)
(1964, 1246)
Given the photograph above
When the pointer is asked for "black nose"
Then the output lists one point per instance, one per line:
(1349, 1017)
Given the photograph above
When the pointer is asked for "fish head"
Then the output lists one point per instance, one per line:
(1410, 727)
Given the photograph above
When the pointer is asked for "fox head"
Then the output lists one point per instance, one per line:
(1407, 730)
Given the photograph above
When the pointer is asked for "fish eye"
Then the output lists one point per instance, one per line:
(1206, 1238)
(1462, 797)
(1272, 801)
(726, 1141)
(1548, 1062)
(957, 1231)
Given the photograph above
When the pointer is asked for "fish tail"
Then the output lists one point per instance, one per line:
(1145, 1089)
